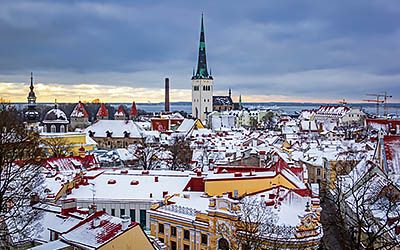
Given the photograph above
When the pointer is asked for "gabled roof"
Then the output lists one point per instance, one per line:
(133, 110)
(117, 128)
(80, 111)
(120, 111)
(91, 235)
(333, 110)
(103, 112)
(222, 100)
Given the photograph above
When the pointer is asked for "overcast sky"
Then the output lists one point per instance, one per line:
(266, 50)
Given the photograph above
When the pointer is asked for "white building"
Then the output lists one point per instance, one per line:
(202, 83)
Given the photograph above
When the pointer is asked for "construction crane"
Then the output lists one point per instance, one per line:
(377, 101)
(385, 102)
(380, 98)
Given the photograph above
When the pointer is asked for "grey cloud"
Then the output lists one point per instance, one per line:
(313, 48)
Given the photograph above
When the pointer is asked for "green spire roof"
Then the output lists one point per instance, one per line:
(202, 72)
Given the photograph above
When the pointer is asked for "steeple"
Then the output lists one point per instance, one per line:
(202, 72)
(31, 95)
(31, 114)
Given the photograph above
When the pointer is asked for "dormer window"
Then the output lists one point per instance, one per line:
(91, 133)
(126, 134)
(108, 133)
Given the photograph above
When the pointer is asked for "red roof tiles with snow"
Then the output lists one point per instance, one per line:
(103, 112)
(80, 111)
(133, 110)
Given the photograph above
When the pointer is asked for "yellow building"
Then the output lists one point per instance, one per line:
(196, 220)
(250, 183)
(67, 143)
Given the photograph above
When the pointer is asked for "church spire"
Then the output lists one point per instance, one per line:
(31, 87)
(31, 95)
(31, 115)
(202, 72)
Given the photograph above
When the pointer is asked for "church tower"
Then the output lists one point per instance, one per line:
(31, 114)
(202, 82)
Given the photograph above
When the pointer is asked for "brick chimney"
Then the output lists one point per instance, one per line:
(167, 95)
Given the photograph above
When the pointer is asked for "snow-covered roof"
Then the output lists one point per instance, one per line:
(120, 111)
(186, 125)
(335, 111)
(52, 245)
(222, 100)
(91, 235)
(186, 205)
(55, 115)
(167, 181)
(118, 128)
(79, 111)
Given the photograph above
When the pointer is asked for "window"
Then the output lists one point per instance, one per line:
(173, 245)
(143, 218)
(186, 247)
(132, 214)
(186, 234)
(204, 239)
(53, 128)
(318, 171)
(113, 211)
(62, 128)
(121, 212)
(160, 228)
(173, 231)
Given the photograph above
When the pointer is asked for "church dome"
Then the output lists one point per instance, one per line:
(55, 115)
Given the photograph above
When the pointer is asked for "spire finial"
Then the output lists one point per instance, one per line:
(31, 81)
(230, 92)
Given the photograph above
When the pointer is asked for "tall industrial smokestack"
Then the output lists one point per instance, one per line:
(166, 94)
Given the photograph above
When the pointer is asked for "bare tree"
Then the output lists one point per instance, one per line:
(365, 206)
(56, 146)
(255, 227)
(20, 178)
(147, 154)
(181, 153)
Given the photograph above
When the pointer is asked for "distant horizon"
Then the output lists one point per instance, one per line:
(188, 102)
(121, 51)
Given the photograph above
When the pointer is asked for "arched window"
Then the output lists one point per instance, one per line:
(62, 129)
(223, 244)
(53, 128)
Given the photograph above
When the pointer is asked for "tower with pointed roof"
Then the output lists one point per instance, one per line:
(120, 113)
(202, 82)
(79, 117)
(31, 115)
(102, 113)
